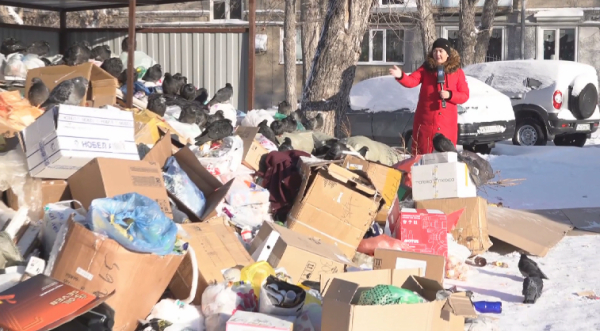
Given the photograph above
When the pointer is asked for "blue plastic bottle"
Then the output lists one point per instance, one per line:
(488, 307)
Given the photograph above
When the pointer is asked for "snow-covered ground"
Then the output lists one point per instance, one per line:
(555, 177)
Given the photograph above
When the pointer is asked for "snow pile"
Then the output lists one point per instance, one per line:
(562, 12)
(582, 80)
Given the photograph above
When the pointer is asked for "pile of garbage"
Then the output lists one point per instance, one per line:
(126, 219)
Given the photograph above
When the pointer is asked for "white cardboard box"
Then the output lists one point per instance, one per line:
(247, 321)
(434, 158)
(442, 180)
(64, 139)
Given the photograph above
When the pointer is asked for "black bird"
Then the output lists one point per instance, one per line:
(114, 66)
(11, 45)
(153, 74)
(336, 152)
(201, 119)
(222, 95)
(157, 104)
(47, 62)
(170, 85)
(322, 150)
(266, 131)
(289, 124)
(320, 122)
(188, 115)
(123, 76)
(38, 93)
(529, 268)
(278, 127)
(78, 54)
(218, 116)
(40, 48)
(284, 108)
(315, 123)
(69, 92)
(532, 289)
(101, 53)
(286, 145)
(442, 144)
(188, 92)
(201, 95)
(363, 151)
(180, 81)
(215, 131)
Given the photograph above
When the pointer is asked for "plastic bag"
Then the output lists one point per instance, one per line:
(301, 140)
(187, 131)
(254, 117)
(368, 246)
(56, 216)
(181, 186)
(388, 295)
(32, 61)
(14, 175)
(224, 159)
(15, 67)
(266, 143)
(244, 193)
(229, 111)
(242, 172)
(221, 300)
(310, 319)
(134, 221)
(456, 268)
(378, 152)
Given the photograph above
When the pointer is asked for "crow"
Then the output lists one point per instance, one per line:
(188, 92)
(153, 74)
(101, 53)
(284, 108)
(442, 144)
(157, 104)
(69, 92)
(215, 131)
(267, 132)
(529, 268)
(38, 93)
(363, 151)
(289, 124)
(278, 128)
(218, 116)
(286, 145)
(114, 66)
(40, 48)
(201, 95)
(532, 289)
(222, 95)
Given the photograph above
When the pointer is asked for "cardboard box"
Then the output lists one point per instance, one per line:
(430, 266)
(341, 313)
(472, 227)
(425, 231)
(52, 191)
(303, 257)
(253, 150)
(443, 180)
(248, 321)
(434, 158)
(99, 265)
(214, 191)
(334, 204)
(101, 90)
(217, 249)
(57, 148)
(43, 303)
(406, 184)
(105, 178)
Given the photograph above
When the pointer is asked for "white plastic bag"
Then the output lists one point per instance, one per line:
(188, 131)
(225, 159)
(229, 111)
(56, 216)
(255, 117)
(32, 61)
(15, 67)
(456, 268)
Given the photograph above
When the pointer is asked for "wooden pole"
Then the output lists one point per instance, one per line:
(131, 54)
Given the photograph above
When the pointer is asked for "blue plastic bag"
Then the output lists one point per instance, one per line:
(134, 221)
(181, 186)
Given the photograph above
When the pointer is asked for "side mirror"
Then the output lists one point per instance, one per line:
(517, 96)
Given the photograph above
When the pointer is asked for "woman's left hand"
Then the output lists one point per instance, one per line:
(445, 95)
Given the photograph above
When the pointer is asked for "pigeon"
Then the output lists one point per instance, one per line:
(47, 62)
(532, 289)
(278, 127)
(215, 131)
(363, 151)
(315, 123)
(11, 45)
(188, 115)
(201, 119)
(290, 124)
(153, 74)
(218, 116)
(222, 95)
(266, 131)
(180, 80)
(286, 145)
(78, 54)
(157, 104)
(125, 44)
(201, 95)
(322, 150)
(114, 66)
(69, 92)
(123, 76)
(529, 268)
(284, 108)
(39, 48)
(442, 144)
(188, 92)
(336, 152)
(38, 93)
(101, 53)
(170, 85)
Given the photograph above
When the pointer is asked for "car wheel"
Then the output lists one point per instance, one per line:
(575, 140)
(481, 149)
(529, 132)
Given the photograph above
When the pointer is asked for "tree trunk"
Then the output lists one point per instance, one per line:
(467, 35)
(486, 29)
(427, 25)
(333, 69)
(312, 15)
(289, 52)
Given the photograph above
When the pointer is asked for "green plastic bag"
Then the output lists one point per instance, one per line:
(280, 116)
(388, 295)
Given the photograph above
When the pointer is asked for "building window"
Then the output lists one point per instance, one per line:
(391, 2)
(495, 50)
(382, 46)
(557, 44)
(298, 46)
(226, 9)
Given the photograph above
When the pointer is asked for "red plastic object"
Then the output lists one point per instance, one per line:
(368, 246)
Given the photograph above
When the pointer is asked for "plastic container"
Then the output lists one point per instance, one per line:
(488, 307)
(256, 273)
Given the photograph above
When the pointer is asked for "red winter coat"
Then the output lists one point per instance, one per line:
(430, 117)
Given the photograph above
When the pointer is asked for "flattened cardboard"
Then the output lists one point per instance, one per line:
(217, 248)
(533, 233)
(472, 228)
(43, 303)
(105, 178)
(586, 219)
(386, 259)
(253, 150)
(99, 265)
(52, 191)
(103, 86)
(385, 179)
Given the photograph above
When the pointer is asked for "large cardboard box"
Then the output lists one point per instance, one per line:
(430, 266)
(253, 150)
(424, 230)
(341, 313)
(101, 91)
(52, 191)
(303, 257)
(58, 145)
(99, 265)
(217, 249)
(442, 180)
(334, 204)
(105, 178)
(472, 227)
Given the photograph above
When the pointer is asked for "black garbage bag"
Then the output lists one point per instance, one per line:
(480, 169)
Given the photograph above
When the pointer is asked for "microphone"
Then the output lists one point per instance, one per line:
(441, 79)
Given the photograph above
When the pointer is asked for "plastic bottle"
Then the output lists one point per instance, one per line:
(488, 307)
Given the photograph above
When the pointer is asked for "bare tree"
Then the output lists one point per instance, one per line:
(334, 64)
(426, 24)
(485, 30)
(289, 52)
(312, 15)
(467, 35)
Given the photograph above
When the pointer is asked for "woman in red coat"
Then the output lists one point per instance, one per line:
(430, 116)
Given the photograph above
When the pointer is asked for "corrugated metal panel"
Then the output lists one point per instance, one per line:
(28, 36)
(208, 60)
